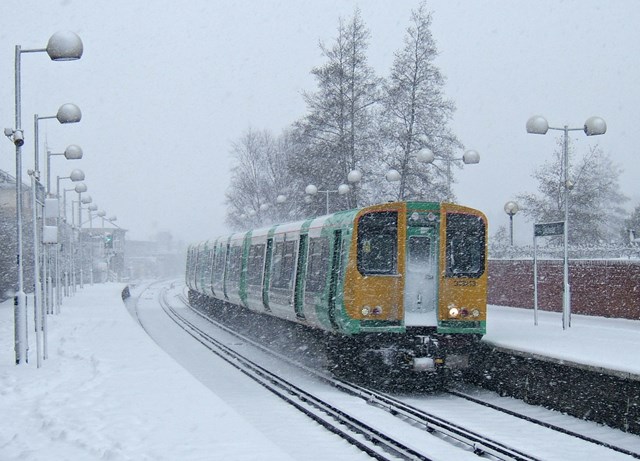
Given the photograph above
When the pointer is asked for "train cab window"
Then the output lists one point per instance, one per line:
(378, 243)
(465, 253)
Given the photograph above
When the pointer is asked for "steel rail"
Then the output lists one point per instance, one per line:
(475, 442)
(478, 443)
(375, 440)
(545, 424)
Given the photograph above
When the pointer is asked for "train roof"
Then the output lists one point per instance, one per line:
(315, 225)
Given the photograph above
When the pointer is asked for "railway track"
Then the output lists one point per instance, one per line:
(369, 439)
(374, 439)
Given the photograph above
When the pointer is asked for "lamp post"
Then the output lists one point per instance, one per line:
(67, 113)
(62, 46)
(72, 152)
(511, 208)
(102, 214)
(353, 177)
(76, 175)
(470, 157)
(86, 200)
(594, 126)
(80, 188)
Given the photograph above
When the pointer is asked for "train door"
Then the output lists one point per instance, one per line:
(266, 274)
(420, 289)
(301, 264)
(336, 269)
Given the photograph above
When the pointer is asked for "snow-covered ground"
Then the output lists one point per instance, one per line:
(107, 391)
(593, 341)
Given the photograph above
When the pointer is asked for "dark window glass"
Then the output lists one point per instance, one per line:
(218, 267)
(378, 243)
(465, 252)
(283, 265)
(318, 264)
(255, 264)
(208, 254)
(235, 264)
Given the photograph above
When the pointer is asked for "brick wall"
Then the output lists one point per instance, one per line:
(602, 288)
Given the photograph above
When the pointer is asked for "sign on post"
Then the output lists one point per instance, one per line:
(548, 229)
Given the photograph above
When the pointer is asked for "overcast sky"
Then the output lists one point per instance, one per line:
(166, 86)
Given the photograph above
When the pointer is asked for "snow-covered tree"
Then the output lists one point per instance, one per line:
(258, 177)
(416, 116)
(632, 226)
(339, 132)
(595, 200)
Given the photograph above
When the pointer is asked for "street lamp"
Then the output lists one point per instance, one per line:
(67, 113)
(470, 157)
(311, 190)
(62, 46)
(511, 208)
(72, 152)
(594, 126)
(80, 188)
(76, 175)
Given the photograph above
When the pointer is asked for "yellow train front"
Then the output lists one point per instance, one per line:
(395, 287)
(415, 288)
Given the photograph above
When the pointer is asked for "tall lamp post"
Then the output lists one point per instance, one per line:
(594, 126)
(76, 175)
(511, 208)
(353, 177)
(80, 188)
(86, 200)
(67, 113)
(62, 46)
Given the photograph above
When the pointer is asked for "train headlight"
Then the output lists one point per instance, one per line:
(475, 313)
(453, 312)
(464, 312)
(365, 310)
(376, 310)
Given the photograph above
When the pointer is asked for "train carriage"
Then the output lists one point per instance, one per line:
(405, 276)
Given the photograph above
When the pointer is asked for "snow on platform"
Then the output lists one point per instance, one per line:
(109, 392)
(597, 343)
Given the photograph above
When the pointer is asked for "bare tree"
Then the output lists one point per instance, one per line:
(339, 132)
(631, 230)
(416, 115)
(595, 201)
(258, 178)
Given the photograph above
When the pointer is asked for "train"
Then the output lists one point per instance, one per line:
(393, 287)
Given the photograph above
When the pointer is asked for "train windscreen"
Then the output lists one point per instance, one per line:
(378, 243)
(466, 237)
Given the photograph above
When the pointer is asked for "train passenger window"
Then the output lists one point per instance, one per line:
(207, 266)
(255, 264)
(465, 253)
(218, 266)
(235, 264)
(318, 264)
(378, 243)
(283, 265)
